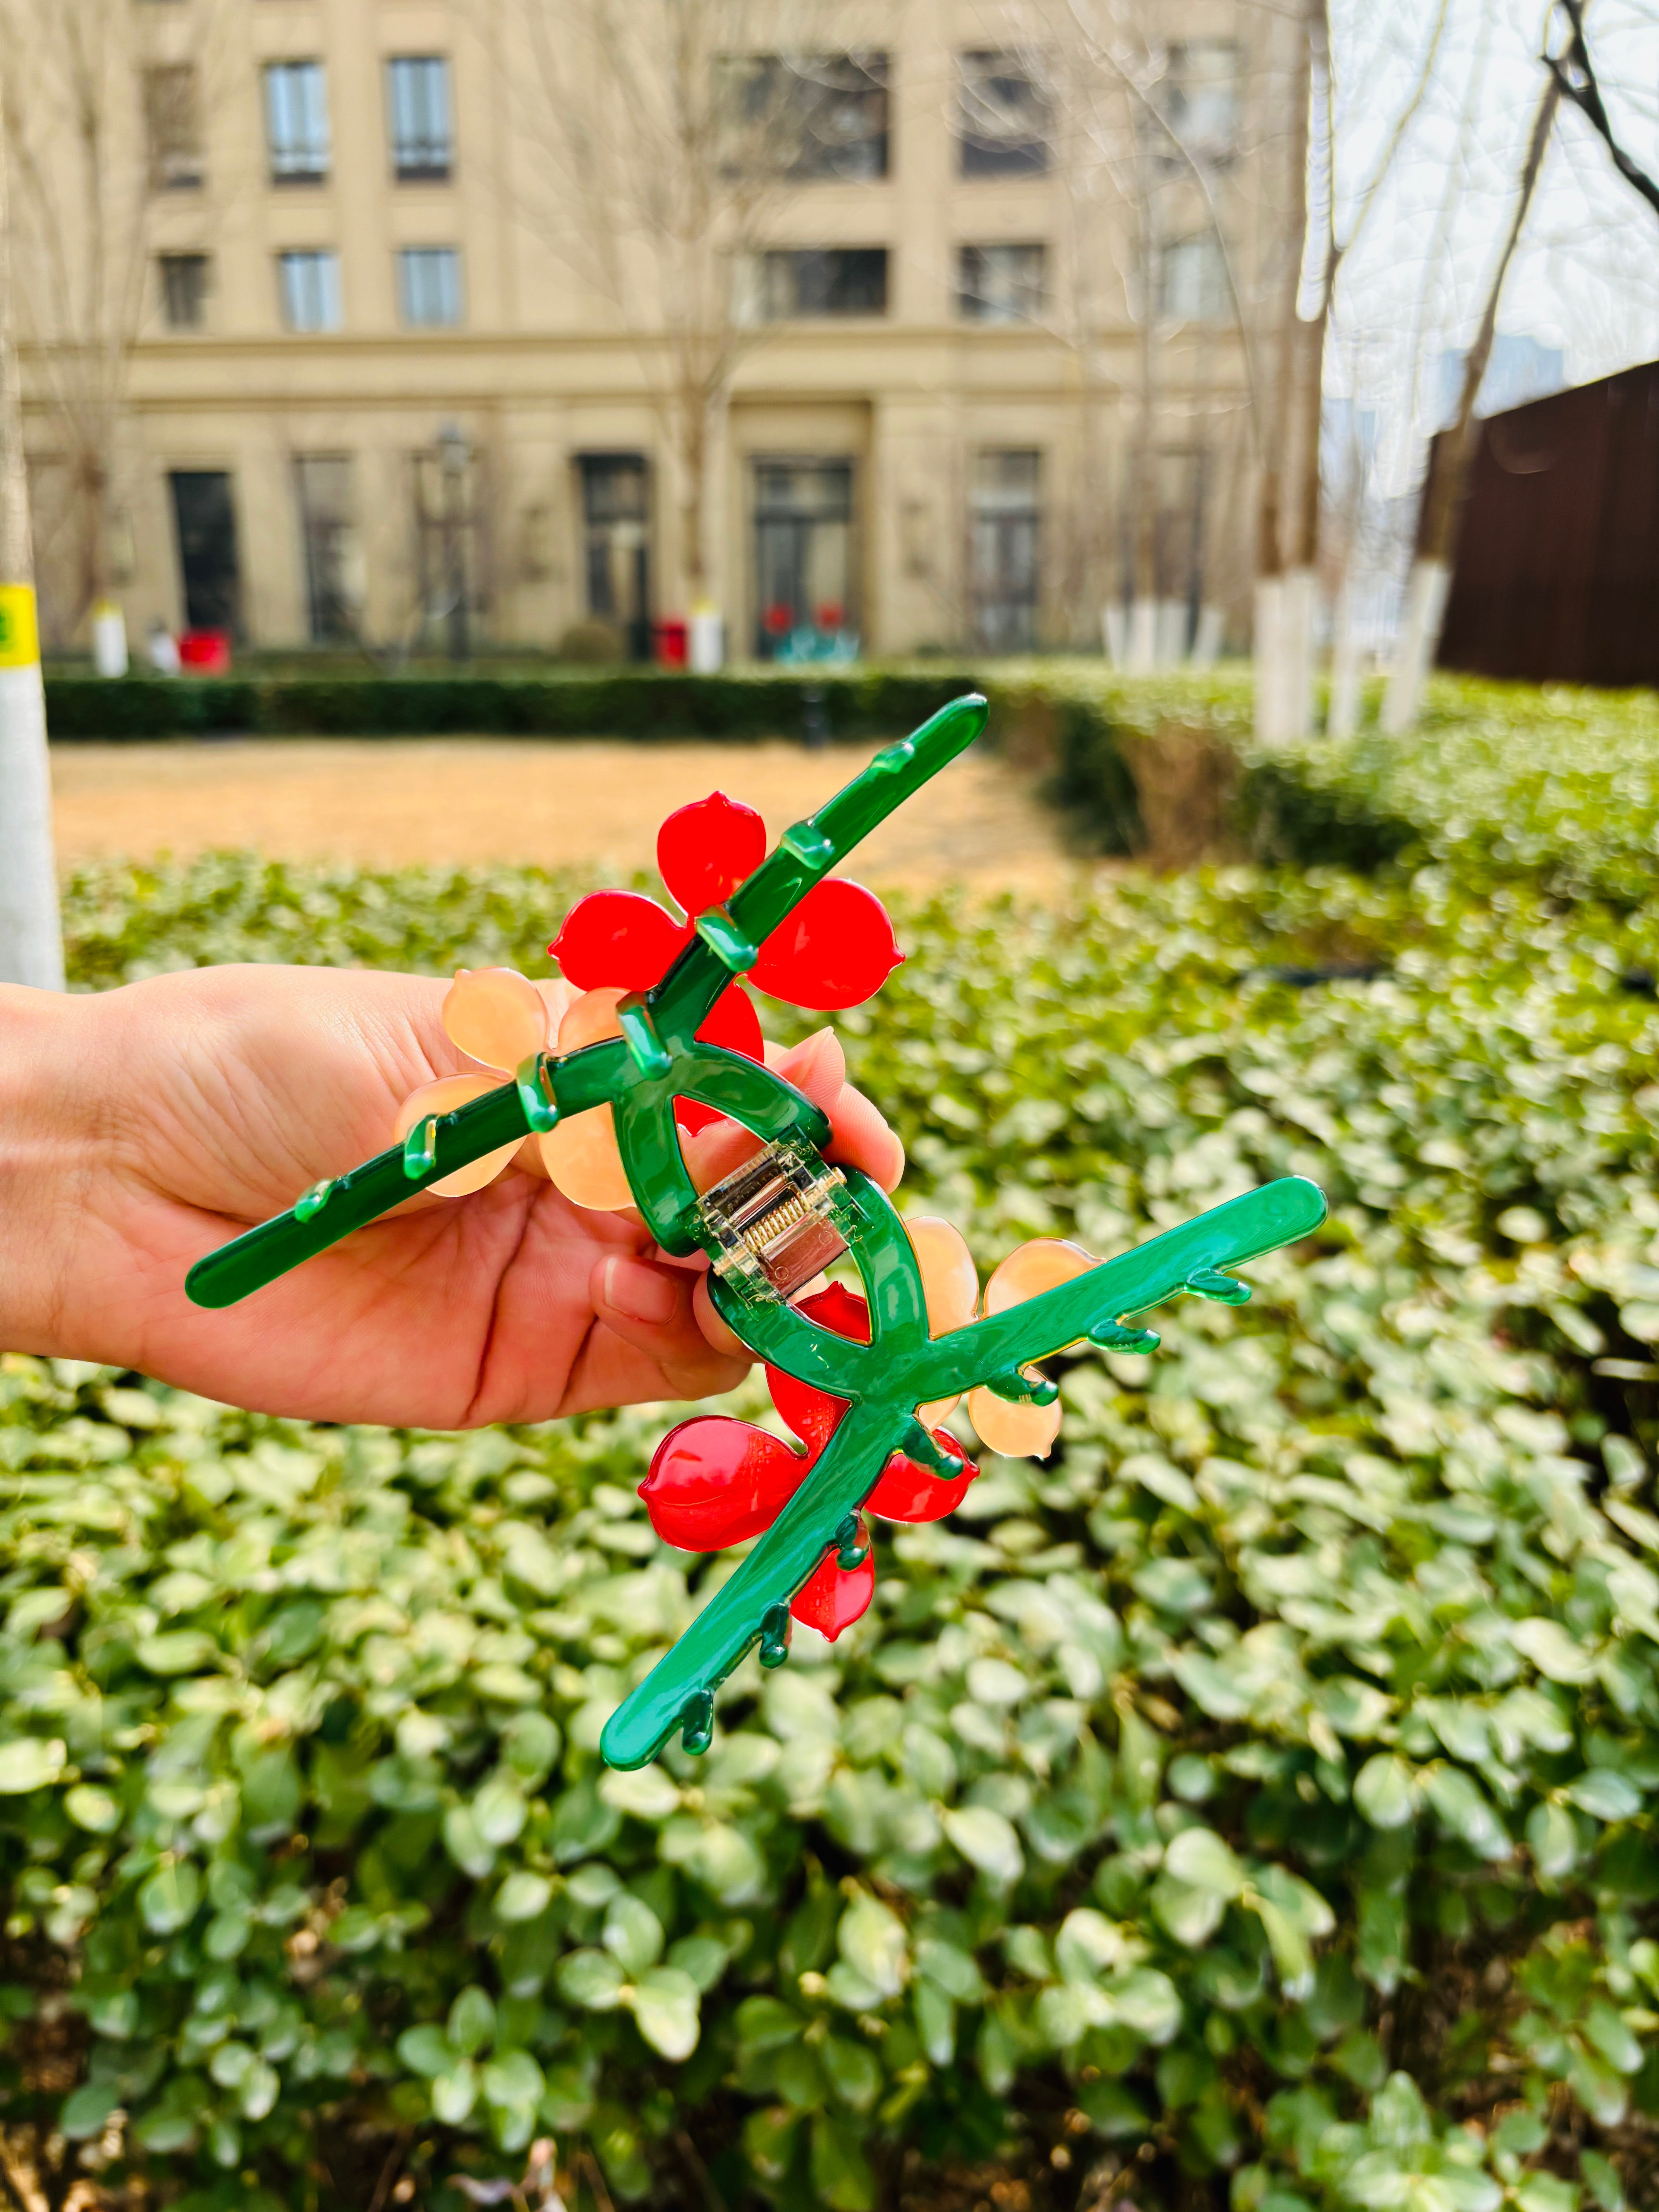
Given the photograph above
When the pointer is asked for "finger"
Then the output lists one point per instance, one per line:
(861, 1137)
(715, 1330)
(650, 1309)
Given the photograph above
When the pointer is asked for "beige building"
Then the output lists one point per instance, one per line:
(369, 386)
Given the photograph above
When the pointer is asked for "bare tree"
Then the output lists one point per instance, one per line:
(1452, 456)
(1284, 605)
(103, 111)
(1293, 686)
(1575, 73)
(1148, 159)
(31, 938)
(665, 136)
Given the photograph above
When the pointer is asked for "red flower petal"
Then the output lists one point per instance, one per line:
(617, 939)
(908, 1492)
(833, 1600)
(836, 948)
(705, 850)
(812, 1413)
(715, 1482)
(735, 1025)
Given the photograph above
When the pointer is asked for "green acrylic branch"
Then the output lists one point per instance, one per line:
(659, 1059)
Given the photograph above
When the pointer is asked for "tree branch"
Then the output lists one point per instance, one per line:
(1575, 74)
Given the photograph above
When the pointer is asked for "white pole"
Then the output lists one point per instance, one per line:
(31, 933)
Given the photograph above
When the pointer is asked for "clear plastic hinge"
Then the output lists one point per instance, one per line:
(777, 1221)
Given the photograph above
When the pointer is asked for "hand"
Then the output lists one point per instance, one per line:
(143, 1128)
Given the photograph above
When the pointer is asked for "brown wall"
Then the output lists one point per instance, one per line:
(1557, 574)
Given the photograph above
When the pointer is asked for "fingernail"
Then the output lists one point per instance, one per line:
(639, 1292)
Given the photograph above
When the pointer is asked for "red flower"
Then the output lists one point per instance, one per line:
(714, 1481)
(836, 948)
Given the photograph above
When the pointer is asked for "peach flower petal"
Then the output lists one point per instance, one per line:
(950, 1283)
(443, 1096)
(949, 1276)
(580, 1155)
(495, 1015)
(1031, 1268)
(592, 1018)
(1016, 1431)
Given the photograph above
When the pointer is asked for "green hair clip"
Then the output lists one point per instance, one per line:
(862, 1381)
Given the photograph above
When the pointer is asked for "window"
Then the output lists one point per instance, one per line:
(1200, 97)
(418, 97)
(1004, 116)
(310, 286)
(322, 484)
(296, 122)
(1000, 284)
(803, 552)
(183, 290)
(1002, 551)
(173, 127)
(205, 516)
(827, 280)
(616, 546)
(1192, 281)
(809, 116)
(429, 286)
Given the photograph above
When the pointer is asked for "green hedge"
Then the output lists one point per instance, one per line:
(1255, 1803)
(1504, 781)
(634, 703)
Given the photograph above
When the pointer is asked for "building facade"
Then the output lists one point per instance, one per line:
(989, 342)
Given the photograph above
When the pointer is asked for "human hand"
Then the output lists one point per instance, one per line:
(143, 1128)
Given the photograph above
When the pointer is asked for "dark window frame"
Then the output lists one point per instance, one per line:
(616, 540)
(988, 146)
(407, 257)
(298, 160)
(824, 283)
(783, 524)
(977, 304)
(790, 116)
(1005, 552)
(327, 537)
(180, 290)
(173, 127)
(1175, 96)
(320, 255)
(424, 156)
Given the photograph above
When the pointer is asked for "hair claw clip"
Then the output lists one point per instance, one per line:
(660, 1039)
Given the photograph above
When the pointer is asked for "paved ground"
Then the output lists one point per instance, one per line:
(471, 799)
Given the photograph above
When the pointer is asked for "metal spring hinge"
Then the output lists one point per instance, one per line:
(777, 1221)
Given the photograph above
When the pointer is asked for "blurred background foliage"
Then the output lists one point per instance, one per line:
(1252, 1806)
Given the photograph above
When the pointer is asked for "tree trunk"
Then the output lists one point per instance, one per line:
(1301, 614)
(1142, 648)
(1275, 718)
(1451, 457)
(31, 933)
(1345, 673)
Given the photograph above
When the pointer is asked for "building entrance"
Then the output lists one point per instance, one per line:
(804, 568)
(616, 546)
(208, 561)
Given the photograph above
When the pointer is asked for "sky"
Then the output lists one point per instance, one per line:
(1585, 278)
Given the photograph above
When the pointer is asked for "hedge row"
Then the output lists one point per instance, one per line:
(1253, 1807)
(634, 703)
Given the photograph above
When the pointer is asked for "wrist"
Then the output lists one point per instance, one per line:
(44, 1163)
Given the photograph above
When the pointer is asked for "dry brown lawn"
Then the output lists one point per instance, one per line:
(559, 803)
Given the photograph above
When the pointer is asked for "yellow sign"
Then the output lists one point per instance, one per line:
(19, 639)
